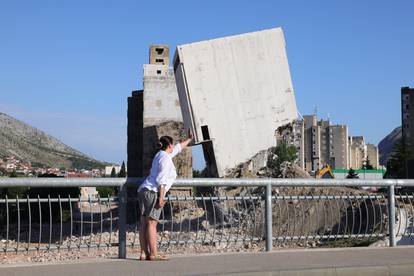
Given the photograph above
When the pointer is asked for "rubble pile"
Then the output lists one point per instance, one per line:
(259, 166)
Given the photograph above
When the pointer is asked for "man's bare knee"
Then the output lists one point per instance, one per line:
(152, 222)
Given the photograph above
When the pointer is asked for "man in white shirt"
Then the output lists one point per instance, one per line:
(152, 191)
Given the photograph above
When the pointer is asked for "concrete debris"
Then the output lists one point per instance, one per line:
(259, 166)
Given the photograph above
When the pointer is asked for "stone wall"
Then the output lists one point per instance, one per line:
(182, 162)
(134, 139)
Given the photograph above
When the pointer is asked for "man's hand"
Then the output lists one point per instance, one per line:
(161, 203)
(185, 143)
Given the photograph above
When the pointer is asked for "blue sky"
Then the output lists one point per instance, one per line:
(67, 67)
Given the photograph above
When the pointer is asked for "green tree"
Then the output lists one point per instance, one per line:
(122, 172)
(352, 174)
(281, 153)
(196, 173)
(113, 172)
(367, 165)
(285, 152)
(397, 164)
(106, 191)
(13, 173)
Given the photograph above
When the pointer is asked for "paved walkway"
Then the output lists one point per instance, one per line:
(348, 261)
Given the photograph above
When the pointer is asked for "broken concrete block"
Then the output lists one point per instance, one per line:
(234, 93)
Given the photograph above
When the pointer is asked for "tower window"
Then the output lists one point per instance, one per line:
(158, 72)
(159, 60)
(159, 51)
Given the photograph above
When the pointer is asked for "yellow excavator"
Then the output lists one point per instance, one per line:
(325, 172)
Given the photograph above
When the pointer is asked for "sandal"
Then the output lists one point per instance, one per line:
(158, 258)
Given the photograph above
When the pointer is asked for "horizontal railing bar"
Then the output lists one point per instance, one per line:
(198, 241)
(325, 237)
(329, 197)
(198, 198)
(206, 198)
(54, 247)
(202, 182)
(316, 197)
(288, 182)
(35, 200)
(403, 196)
(57, 182)
(408, 234)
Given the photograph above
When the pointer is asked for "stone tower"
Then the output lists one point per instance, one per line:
(153, 112)
(159, 54)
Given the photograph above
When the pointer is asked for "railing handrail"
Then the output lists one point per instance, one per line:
(58, 182)
(290, 182)
(202, 182)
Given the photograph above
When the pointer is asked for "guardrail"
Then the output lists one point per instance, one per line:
(228, 212)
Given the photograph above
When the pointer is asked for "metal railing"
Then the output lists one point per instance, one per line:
(218, 212)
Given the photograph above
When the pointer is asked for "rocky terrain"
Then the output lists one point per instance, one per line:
(387, 144)
(33, 145)
(64, 255)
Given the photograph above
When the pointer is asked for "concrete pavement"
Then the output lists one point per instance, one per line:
(346, 261)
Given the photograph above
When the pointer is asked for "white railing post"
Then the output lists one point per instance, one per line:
(269, 232)
(391, 215)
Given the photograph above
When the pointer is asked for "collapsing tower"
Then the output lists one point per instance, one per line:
(234, 93)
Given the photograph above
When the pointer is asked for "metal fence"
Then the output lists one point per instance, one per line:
(233, 213)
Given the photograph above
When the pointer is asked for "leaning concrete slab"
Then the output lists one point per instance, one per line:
(234, 93)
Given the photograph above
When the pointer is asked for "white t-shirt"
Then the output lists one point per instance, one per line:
(162, 171)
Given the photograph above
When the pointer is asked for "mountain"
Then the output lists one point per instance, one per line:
(387, 144)
(30, 144)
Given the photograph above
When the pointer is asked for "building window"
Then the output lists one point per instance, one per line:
(407, 106)
(159, 51)
(159, 60)
(158, 72)
(205, 132)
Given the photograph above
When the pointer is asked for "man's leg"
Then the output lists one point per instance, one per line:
(143, 237)
(152, 236)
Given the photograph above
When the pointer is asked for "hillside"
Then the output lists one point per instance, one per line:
(387, 144)
(30, 144)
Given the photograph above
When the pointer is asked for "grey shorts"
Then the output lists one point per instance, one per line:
(147, 204)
